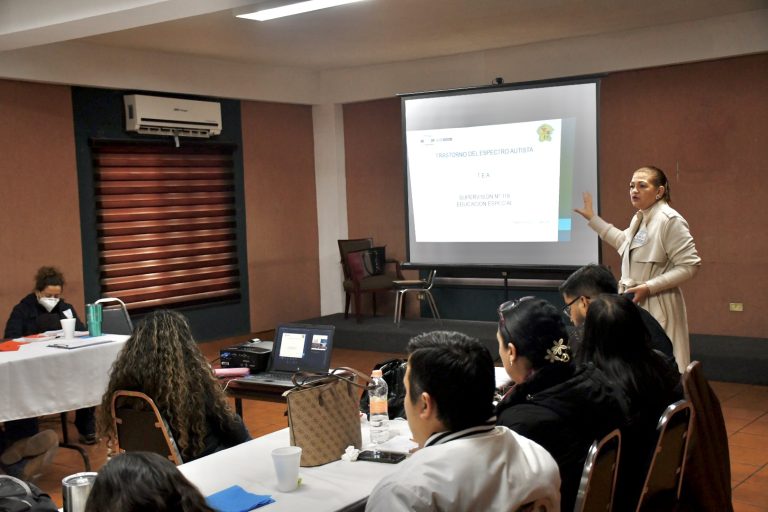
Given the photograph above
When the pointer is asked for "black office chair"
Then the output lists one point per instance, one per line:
(114, 316)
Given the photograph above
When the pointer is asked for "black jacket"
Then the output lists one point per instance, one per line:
(639, 435)
(29, 317)
(220, 438)
(564, 408)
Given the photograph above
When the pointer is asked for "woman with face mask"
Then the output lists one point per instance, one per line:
(40, 311)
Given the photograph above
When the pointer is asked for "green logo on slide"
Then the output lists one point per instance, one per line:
(545, 132)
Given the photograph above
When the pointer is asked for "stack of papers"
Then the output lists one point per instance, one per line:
(49, 335)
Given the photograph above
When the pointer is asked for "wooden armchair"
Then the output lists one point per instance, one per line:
(356, 284)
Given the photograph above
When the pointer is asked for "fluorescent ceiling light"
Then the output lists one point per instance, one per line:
(290, 10)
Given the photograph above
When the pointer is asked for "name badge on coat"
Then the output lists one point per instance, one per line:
(640, 238)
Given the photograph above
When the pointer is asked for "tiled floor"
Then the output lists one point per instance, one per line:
(745, 408)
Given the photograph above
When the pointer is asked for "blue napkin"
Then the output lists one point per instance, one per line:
(237, 499)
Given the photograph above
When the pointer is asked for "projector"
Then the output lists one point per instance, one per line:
(252, 354)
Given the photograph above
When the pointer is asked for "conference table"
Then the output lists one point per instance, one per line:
(339, 485)
(39, 379)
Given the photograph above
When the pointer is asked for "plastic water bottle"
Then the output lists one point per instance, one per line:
(378, 417)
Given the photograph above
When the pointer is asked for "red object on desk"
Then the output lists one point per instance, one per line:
(11, 346)
(231, 372)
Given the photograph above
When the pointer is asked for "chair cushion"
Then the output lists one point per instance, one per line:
(382, 282)
(410, 283)
(356, 265)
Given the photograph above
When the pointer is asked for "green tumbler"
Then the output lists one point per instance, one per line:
(93, 315)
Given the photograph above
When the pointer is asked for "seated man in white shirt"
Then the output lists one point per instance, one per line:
(465, 462)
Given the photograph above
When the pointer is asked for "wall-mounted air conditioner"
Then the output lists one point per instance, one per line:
(157, 115)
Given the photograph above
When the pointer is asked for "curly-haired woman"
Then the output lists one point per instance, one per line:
(162, 360)
(561, 406)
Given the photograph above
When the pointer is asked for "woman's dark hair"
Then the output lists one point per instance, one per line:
(617, 341)
(536, 329)
(141, 481)
(48, 276)
(659, 179)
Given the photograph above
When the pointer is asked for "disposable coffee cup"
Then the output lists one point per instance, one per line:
(68, 325)
(75, 490)
(287, 461)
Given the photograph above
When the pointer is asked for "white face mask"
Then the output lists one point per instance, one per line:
(48, 302)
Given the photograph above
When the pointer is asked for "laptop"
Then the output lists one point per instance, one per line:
(297, 348)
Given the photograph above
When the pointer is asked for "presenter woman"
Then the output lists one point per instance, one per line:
(657, 254)
(162, 360)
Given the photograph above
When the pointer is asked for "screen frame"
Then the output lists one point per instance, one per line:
(512, 270)
(305, 329)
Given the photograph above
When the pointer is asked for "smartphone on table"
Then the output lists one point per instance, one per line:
(381, 456)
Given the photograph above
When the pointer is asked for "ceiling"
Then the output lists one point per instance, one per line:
(367, 33)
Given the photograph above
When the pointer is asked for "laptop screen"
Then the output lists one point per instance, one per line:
(302, 347)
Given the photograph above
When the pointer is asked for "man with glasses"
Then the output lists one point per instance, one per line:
(590, 281)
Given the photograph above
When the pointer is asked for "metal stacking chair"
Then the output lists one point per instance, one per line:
(114, 316)
(665, 474)
(141, 427)
(419, 286)
(598, 480)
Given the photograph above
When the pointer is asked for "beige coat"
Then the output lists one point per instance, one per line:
(657, 250)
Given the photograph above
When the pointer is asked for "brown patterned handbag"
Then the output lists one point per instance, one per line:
(323, 415)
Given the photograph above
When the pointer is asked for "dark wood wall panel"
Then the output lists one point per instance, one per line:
(166, 223)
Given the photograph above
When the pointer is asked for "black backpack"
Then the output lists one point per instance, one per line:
(393, 372)
(20, 496)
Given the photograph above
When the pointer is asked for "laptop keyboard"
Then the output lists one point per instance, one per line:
(277, 377)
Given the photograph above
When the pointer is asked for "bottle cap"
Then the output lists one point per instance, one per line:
(376, 374)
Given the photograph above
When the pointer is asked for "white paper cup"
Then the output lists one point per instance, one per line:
(287, 461)
(68, 325)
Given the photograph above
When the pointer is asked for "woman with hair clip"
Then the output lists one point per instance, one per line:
(561, 406)
(617, 341)
(142, 481)
(162, 360)
(657, 254)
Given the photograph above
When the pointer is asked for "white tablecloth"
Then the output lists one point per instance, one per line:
(38, 379)
(330, 487)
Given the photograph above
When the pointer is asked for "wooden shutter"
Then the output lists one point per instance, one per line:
(166, 223)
